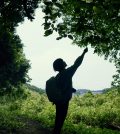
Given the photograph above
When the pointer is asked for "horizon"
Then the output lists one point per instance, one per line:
(76, 89)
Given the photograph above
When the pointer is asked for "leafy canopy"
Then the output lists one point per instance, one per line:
(87, 22)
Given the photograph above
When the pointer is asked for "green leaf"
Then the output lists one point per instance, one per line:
(70, 37)
(58, 38)
(46, 25)
(59, 5)
(48, 32)
(54, 0)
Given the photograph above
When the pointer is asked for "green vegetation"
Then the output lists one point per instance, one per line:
(88, 114)
(92, 23)
(13, 63)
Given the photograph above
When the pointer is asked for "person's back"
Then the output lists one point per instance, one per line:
(64, 82)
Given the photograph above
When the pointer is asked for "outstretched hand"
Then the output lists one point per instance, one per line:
(86, 50)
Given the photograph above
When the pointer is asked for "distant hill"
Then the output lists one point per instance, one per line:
(36, 89)
(78, 92)
(83, 91)
(98, 91)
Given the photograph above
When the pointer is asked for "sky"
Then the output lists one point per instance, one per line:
(95, 73)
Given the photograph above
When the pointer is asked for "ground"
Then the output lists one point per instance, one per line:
(30, 127)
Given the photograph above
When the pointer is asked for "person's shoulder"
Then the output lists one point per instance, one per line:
(70, 68)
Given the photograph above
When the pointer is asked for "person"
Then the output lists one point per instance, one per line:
(64, 81)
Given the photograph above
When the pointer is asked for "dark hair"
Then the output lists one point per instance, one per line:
(59, 64)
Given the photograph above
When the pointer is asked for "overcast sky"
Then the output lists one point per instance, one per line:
(95, 73)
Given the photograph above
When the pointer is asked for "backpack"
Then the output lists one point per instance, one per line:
(54, 94)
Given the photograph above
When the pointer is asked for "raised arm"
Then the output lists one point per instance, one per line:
(79, 60)
(71, 70)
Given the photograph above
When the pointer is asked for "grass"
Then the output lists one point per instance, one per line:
(88, 114)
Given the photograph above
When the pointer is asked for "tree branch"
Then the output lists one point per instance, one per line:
(26, 10)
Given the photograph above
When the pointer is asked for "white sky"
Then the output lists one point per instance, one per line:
(94, 73)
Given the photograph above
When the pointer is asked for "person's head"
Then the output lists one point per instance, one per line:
(59, 65)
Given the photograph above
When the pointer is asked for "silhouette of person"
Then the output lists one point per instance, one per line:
(64, 78)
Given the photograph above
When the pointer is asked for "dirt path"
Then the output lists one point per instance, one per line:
(31, 127)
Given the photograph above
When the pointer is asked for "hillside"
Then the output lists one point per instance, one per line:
(78, 92)
(35, 88)
(33, 113)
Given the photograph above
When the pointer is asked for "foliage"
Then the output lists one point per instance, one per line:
(87, 22)
(116, 77)
(10, 104)
(84, 21)
(12, 12)
(88, 114)
(13, 64)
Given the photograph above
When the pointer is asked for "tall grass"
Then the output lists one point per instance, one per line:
(88, 114)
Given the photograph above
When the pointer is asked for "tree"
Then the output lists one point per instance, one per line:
(87, 22)
(13, 64)
(13, 11)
